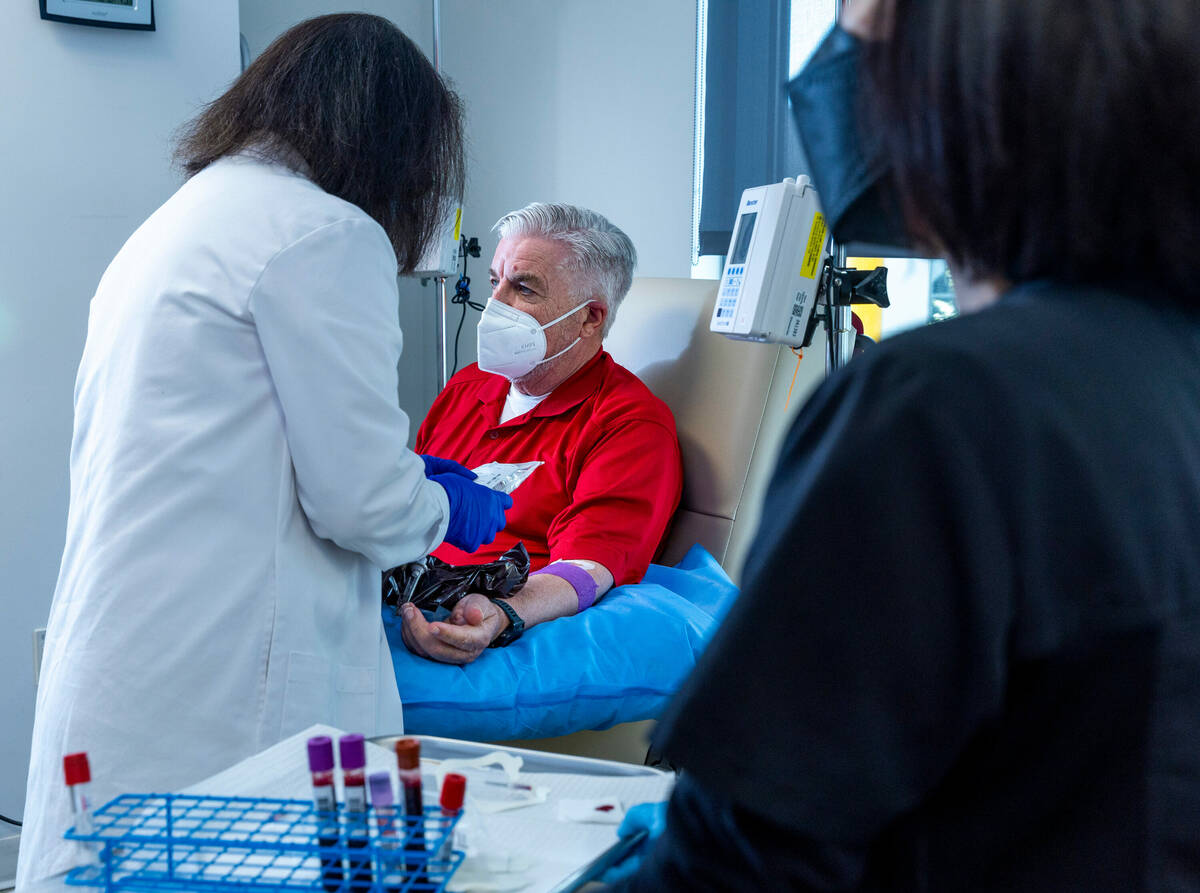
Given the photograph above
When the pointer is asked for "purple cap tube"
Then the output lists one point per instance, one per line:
(380, 784)
(320, 754)
(353, 752)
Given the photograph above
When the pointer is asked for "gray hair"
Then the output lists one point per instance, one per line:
(599, 250)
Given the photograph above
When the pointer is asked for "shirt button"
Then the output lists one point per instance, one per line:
(494, 435)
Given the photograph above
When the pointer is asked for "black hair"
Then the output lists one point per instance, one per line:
(364, 109)
(1038, 139)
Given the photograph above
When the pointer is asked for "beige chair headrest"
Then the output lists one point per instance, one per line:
(727, 397)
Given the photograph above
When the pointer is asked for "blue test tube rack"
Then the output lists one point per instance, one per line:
(191, 842)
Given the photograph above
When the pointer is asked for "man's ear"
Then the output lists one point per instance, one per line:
(594, 324)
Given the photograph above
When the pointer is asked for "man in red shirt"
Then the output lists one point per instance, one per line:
(589, 455)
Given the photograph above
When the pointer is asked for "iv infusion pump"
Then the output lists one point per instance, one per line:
(771, 280)
(440, 257)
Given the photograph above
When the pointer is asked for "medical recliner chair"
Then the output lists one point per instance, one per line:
(730, 401)
(731, 407)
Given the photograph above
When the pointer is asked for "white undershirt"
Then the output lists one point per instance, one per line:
(516, 403)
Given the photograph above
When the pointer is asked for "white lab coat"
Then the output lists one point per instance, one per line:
(239, 477)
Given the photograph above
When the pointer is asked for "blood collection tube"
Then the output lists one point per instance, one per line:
(354, 761)
(408, 762)
(387, 874)
(320, 764)
(454, 788)
(79, 781)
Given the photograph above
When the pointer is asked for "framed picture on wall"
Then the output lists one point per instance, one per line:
(137, 15)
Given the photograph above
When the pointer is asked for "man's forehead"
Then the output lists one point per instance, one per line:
(530, 257)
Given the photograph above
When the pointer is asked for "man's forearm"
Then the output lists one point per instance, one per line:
(545, 596)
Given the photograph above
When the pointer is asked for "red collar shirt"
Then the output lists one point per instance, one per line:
(611, 474)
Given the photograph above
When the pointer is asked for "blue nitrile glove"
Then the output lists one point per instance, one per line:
(648, 817)
(437, 465)
(476, 511)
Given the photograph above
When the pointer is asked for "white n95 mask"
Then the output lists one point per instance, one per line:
(510, 342)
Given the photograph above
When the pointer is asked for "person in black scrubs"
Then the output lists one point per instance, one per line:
(967, 652)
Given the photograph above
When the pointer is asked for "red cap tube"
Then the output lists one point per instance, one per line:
(75, 768)
(454, 787)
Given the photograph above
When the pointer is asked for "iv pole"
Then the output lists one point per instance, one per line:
(839, 347)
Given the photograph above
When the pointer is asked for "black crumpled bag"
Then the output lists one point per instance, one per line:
(431, 583)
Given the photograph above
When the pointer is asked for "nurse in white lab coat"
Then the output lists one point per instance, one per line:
(239, 474)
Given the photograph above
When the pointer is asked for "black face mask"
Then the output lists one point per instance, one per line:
(849, 168)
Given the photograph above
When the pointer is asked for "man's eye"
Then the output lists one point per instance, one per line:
(494, 282)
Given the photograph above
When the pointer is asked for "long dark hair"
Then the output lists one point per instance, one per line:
(1034, 139)
(362, 106)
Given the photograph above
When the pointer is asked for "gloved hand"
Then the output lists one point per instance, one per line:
(476, 511)
(437, 465)
(648, 817)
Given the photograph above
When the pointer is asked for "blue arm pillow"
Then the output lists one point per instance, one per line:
(618, 661)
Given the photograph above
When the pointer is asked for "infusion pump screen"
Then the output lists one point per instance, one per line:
(741, 242)
(115, 2)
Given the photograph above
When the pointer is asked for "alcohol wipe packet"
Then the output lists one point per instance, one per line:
(504, 476)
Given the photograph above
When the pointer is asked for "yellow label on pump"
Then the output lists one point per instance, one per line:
(457, 224)
(816, 241)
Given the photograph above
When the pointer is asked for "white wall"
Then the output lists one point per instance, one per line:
(264, 20)
(84, 151)
(583, 102)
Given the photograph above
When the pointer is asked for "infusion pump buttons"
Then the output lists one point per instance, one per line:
(730, 289)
